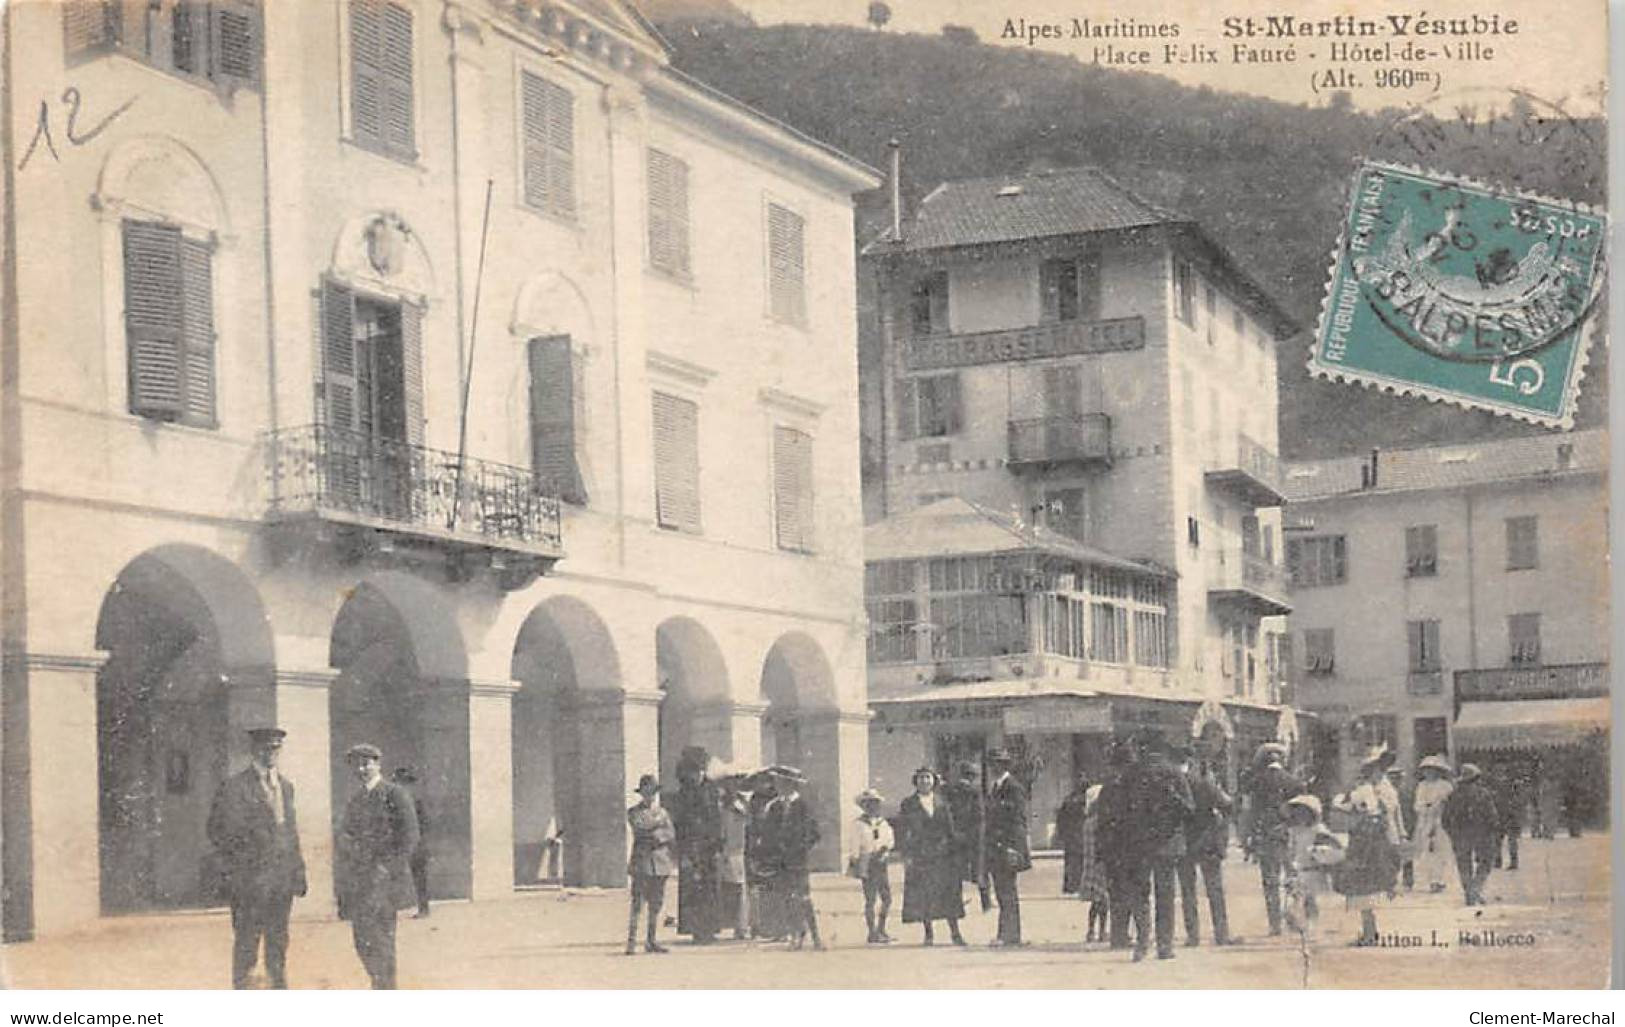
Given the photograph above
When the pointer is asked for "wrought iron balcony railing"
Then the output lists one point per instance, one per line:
(1077, 438)
(1249, 579)
(1424, 682)
(1254, 473)
(337, 475)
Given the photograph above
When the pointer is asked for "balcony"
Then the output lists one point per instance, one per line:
(383, 496)
(1045, 442)
(1556, 681)
(1424, 682)
(1030, 342)
(1254, 476)
(1250, 582)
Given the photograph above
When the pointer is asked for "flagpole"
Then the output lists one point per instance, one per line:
(468, 373)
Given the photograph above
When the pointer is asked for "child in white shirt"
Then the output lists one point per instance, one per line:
(868, 862)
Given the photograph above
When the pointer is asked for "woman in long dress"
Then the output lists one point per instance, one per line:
(1433, 854)
(1092, 884)
(1370, 869)
(929, 843)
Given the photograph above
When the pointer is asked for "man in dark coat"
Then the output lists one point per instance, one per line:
(376, 837)
(696, 812)
(1112, 831)
(1069, 835)
(419, 860)
(1511, 802)
(965, 802)
(1007, 853)
(793, 831)
(1268, 787)
(1473, 824)
(1207, 836)
(1160, 807)
(255, 833)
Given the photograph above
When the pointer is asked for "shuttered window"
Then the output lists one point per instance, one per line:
(929, 406)
(668, 213)
(792, 489)
(548, 128)
(677, 463)
(552, 418)
(169, 323)
(1422, 639)
(381, 115)
(787, 267)
(218, 41)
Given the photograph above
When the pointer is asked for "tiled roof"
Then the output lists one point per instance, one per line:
(1030, 206)
(958, 527)
(1444, 467)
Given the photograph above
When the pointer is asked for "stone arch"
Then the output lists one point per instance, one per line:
(801, 727)
(189, 668)
(409, 277)
(566, 738)
(696, 706)
(403, 686)
(158, 176)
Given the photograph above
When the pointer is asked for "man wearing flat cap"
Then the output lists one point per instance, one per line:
(1007, 845)
(253, 828)
(376, 838)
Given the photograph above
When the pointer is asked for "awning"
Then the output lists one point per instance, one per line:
(1530, 723)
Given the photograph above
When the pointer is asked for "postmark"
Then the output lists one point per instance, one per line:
(1453, 290)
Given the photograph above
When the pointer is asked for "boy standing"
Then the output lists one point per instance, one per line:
(869, 863)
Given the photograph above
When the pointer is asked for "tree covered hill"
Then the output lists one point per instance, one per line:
(1268, 180)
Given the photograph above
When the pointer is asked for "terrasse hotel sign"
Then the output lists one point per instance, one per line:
(1063, 339)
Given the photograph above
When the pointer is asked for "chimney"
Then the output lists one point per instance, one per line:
(896, 190)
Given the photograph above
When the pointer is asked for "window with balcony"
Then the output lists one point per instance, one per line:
(1319, 651)
(1423, 644)
(1108, 641)
(928, 304)
(1523, 543)
(928, 406)
(677, 463)
(1317, 561)
(1070, 288)
(1523, 635)
(1151, 638)
(1421, 551)
(553, 369)
(893, 611)
(382, 114)
(217, 43)
(169, 323)
(668, 214)
(1185, 291)
(793, 508)
(786, 265)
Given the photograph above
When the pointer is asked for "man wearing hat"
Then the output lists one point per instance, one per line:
(873, 843)
(1007, 852)
(377, 835)
(419, 860)
(651, 862)
(793, 832)
(253, 828)
(1207, 836)
(1471, 820)
(965, 806)
(1159, 809)
(696, 812)
(1268, 786)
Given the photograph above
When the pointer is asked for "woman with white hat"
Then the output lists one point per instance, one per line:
(1432, 844)
(1370, 869)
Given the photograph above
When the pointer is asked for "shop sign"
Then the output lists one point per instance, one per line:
(1057, 717)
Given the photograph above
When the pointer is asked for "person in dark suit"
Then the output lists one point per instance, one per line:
(419, 860)
(255, 832)
(1512, 802)
(376, 837)
(696, 812)
(1473, 824)
(928, 838)
(1269, 786)
(1112, 833)
(964, 795)
(1159, 808)
(1069, 835)
(792, 832)
(1207, 836)
(1007, 845)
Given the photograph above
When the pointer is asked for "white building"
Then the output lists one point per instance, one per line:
(1454, 599)
(1093, 382)
(290, 436)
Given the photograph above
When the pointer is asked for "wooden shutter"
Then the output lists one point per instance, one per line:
(668, 213)
(953, 411)
(938, 299)
(86, 25)
(396, 64)
(1063, 391)
(786, 264)
(907, 407)
(234, 43)
(366, 71)
(152, 319)
(552, 418)
(793, 489)
(338, 357)
(189, 28)
(677, 463)
(533, 124)
(197, 323)
(548, 128)
(412, 371)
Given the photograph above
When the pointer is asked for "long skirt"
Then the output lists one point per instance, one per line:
(699, 899)
(932, 890)
(1370, 871)
(1092, 882)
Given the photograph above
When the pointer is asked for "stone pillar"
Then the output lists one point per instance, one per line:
(490, 786)
(63, 788)
(835, 747)
(306, 761)
(730, 731)
(616, 738)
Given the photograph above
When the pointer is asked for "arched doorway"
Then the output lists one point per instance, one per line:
(188, 669)
(693, 678)
(403, 686)
(799, 728)
(565, 729)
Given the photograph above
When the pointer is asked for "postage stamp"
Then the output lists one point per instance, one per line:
(1452, 290)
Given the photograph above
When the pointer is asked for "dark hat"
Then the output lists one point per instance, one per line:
(648, 783)
(1000, 756)
(1268, 751)
(363, 751)
(935, 777)
(404, 775)
(267, 734)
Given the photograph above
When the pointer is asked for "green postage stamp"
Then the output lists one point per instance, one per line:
(1456, 291)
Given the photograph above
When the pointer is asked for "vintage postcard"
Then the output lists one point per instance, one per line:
(761, 493)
